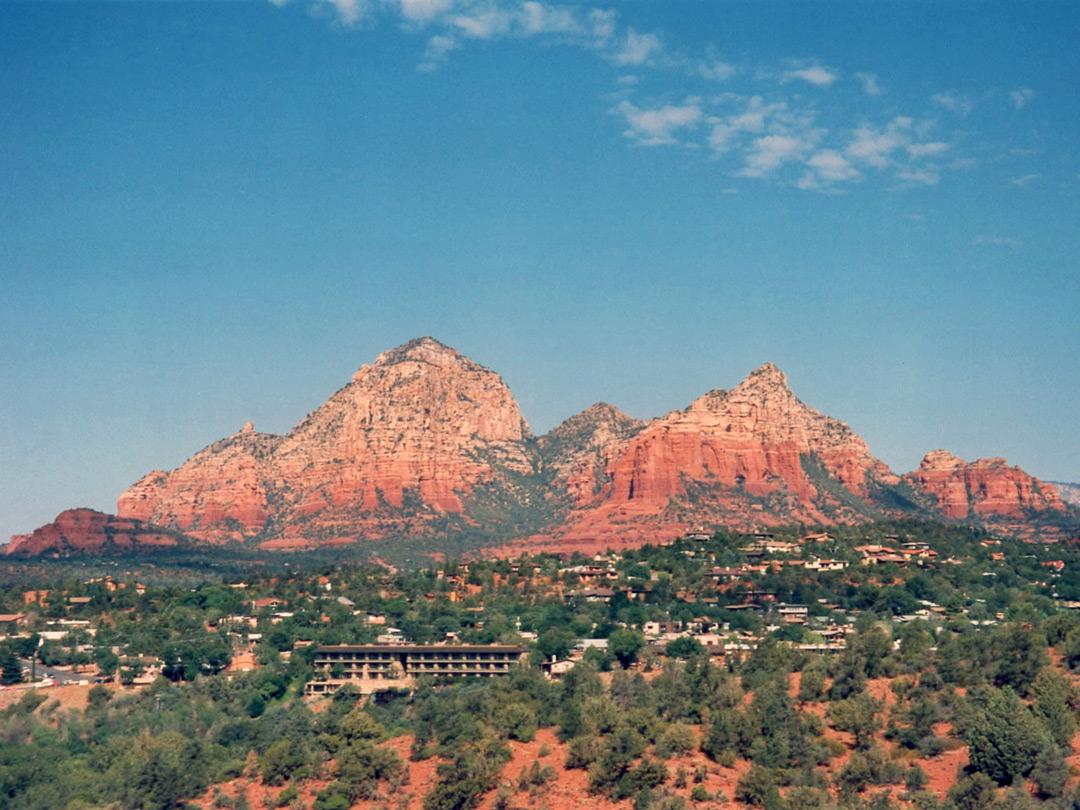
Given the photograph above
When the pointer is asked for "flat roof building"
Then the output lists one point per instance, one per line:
(377, 667)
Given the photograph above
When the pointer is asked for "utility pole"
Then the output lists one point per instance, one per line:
(33, 659)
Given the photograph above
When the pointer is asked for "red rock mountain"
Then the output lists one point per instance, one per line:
(751, 456)
(88, 531)
(426, 443)
(983, 488)
(403, 443)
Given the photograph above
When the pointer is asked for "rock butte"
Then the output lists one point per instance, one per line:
(425, 442)
(86, 530)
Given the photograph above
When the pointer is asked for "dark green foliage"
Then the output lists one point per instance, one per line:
(869, 767)
(812, 680)
(1021, 654)
(858, 716)
(1050, 772)
(625, 644)
(975, 792)
(465, 780)
(729, 732)
(10, 668)
(1003, 736)
(331, 798)
(684, 647)
(758, 788)
(677, 739)
(280, 759)
(159, 771)
(1054, 700)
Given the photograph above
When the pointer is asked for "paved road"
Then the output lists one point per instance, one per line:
(57, 675)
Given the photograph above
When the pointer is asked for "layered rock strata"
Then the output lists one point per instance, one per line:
(86, 531)
(988, 487)
(425, 443)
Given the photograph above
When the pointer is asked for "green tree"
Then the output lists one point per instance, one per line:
(1003, 736)
(684, 647)
(857, 715)
(1050, 773)
(10, 668)
(757, 788)
(625, 644)
(975, 792)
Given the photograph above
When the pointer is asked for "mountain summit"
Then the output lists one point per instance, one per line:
(425, 442)
(402, 444)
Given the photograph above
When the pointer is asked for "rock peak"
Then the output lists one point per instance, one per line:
(767, 374)
(941, 460)
(423, 350)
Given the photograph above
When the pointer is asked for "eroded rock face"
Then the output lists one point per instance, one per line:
(425, 442)
(580, 451)
(988, 487)
(221, 493)
(736, 457)
(403, 442)
(85, 531)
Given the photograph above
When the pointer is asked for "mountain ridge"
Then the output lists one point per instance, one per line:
(424, 442)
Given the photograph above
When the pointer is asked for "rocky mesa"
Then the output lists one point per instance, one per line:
(988, 487)
(86, 531)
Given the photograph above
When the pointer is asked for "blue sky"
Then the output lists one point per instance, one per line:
(212, 212)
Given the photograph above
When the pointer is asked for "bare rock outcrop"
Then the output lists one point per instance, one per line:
(402, 443)
(424, 442)
(987, 488)
(86, 531)
(579, 452)
(750, 456)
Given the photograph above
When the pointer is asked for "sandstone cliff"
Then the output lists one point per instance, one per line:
(390, 453)
(751, 456)
(987, 488)
(425, 443)
(85, 531)
(221, 493)
(578, 453)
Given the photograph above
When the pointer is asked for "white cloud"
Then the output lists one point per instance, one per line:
(998, 241)
(911, 178)
(484, 25)
(541, 19)
(424, 10)
(1021, 97)
(349, 12)
(764, 134)
(1025, 180)
(437, 49)
(831, 165)
(921, 150)
(602, 24)
(716, 70)
(869, 82)
(875, 147)
(769, 152)
(816, 75)
(637, 49)
(956, 104)
(751, 119)
(657, 127)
